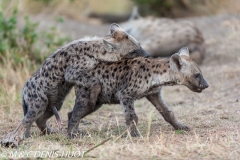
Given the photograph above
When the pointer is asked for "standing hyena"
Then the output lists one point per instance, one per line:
(163, 36)
(127, 80)
(46, 90)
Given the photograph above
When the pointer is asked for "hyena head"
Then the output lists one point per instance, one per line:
(120, 42)
(187, 71)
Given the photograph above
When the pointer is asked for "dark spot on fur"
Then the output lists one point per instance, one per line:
(109, 63)
(126, 68)
(104, 52)
(32, 84)
(35, 96)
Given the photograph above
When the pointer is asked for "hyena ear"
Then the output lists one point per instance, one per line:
(176, 62)
(184, 51)
(108, 46)
(117, 32)
(114, 27)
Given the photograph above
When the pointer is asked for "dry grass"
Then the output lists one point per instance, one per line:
(213, 115)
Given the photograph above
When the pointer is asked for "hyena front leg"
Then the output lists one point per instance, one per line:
(167, 114)
(130, 115)
(81, 78)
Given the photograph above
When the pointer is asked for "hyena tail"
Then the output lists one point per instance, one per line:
(25, 107)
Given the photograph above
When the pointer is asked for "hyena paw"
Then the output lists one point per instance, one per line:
(182, 127)
(76, 132)
(134, 132)
(48, 131)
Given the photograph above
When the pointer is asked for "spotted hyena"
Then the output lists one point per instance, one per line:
(163, 36)
(45, 91)
(127, 80)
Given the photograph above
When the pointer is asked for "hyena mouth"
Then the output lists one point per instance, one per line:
(196, 89)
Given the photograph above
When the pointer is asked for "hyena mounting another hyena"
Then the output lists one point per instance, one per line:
(45, 91)
(127, 80)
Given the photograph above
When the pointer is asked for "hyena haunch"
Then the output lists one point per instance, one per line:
(45, 91)
(127, 80)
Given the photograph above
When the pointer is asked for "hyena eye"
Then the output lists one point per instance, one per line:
(132, 52)
(197, 75)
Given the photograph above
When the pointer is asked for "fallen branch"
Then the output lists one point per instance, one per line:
(85, 153)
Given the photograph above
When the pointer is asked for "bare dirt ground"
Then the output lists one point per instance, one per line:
(213, 115)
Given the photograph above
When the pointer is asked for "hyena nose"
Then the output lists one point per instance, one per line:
(206, 86)
(144, 53)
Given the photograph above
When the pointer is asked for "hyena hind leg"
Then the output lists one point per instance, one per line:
(15, 137)
(42, 122)
(80, 110)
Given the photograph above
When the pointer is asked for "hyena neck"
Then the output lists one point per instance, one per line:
(163, 74)
(97, 50)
